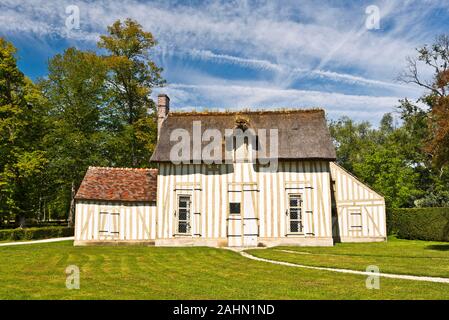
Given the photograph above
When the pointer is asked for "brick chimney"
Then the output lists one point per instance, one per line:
(163, 107)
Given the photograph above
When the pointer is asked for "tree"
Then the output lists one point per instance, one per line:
(435, 57)
(387, 172)
(350, 139)
(22, 126)
(132, 76)
(77, 93)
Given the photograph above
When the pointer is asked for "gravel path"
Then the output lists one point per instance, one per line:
(18, 243)
(364, 273)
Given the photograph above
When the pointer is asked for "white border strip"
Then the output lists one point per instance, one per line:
(18, 243)
(385, 275)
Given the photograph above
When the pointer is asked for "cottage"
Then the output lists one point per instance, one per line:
(249, 178)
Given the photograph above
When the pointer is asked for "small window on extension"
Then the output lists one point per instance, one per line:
(356, 220)
(234, 208)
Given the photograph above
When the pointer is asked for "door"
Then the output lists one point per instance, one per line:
(250, 220)
(234, 220)
(183, 215)
(242, 221)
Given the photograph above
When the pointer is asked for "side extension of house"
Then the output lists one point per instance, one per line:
(358, 211)
(116, 206)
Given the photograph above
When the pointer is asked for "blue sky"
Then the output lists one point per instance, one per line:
(250, 54)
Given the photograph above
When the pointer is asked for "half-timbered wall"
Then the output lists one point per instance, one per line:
(360, 211)
(213, 187)
(114, 221)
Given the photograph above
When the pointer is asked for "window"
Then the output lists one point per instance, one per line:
(295, 213)
(109, 224)
(356, 221)
(243, 148)
(184, 208)
(234, 208)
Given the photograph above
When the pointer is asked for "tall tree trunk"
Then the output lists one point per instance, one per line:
(72, 206)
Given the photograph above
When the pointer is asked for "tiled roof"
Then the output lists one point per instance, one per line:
(118, 184)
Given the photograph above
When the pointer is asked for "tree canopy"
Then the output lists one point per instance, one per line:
(406, 162)
(91, 109)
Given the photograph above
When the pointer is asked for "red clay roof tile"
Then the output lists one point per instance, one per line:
(118, 184)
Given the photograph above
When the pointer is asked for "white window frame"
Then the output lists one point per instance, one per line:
(300, 218)
(188, 220)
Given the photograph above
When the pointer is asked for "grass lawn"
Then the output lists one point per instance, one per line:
(38, 272)
(421, 258)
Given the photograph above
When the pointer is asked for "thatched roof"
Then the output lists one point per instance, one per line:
(303, 134)
(118, 184)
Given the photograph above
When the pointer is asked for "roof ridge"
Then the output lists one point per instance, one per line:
(122, 168)
(247, 111)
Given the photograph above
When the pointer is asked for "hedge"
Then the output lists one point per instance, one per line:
(419, 223)
(35, 233)
(35, 224)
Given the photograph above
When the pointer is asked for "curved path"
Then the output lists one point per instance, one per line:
(364, 273)
(18, 243)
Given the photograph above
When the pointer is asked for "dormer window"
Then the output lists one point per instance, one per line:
(242, 124)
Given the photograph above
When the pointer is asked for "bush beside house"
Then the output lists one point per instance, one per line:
(35, 233)
(430, 224)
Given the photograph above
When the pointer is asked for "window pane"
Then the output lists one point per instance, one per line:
(182, 214)
(183, 227)
(293, 213)
(294, 226)
(295, 200)
(234, 208)
(183, 203)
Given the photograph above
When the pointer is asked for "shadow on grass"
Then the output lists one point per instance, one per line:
(439, 247)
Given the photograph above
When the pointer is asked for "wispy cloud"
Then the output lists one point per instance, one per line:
(231, 97)
(288, 42)
(263, 31)
(286, 70)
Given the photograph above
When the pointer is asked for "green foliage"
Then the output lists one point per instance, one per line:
(375, 156)
(91, 109)
(349, 139)
(434, 58)
(419, 223)
(385, 171)
(131, 76)
(77, 95)
(390, 159)
(438, 198)
(35, 233)
(22, 127)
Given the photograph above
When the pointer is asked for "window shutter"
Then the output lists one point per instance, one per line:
(103, 222)
(115, 219)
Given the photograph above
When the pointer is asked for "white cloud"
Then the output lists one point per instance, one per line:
(263, 32)
(232, 96)
(305, 40)
(286, 71)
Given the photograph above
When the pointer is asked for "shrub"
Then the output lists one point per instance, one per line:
(35, 233)
(419, 223)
